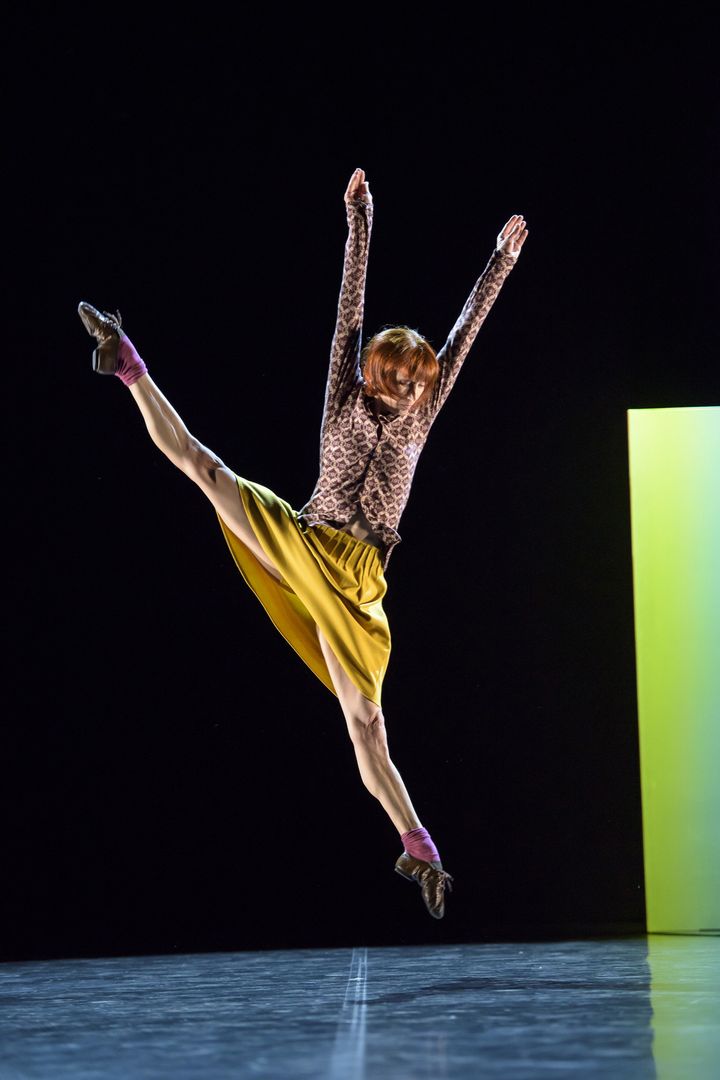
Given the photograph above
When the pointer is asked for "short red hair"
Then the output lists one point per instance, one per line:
(394, 349)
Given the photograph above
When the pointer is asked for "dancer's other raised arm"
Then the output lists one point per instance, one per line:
(477, 306)
(345, 352)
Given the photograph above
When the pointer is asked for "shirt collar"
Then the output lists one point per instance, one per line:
(370, 404)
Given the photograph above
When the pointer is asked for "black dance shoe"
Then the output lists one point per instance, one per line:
(105, 328)
(431, 878)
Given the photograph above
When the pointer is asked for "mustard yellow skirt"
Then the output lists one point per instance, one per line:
(330, 580)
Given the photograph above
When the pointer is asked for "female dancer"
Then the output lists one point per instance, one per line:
(319, 572)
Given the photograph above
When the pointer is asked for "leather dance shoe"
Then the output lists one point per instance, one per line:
(431, 878)
(105, 328)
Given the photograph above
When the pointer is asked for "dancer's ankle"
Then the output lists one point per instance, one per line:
(419, 844)
(130, 367)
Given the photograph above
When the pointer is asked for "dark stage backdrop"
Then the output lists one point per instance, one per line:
(174, 777)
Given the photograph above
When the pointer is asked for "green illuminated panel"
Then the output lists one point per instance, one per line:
(675, 513)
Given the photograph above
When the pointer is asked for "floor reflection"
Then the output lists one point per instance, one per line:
(685, 972)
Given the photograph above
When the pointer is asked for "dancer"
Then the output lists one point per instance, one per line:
(320, 572)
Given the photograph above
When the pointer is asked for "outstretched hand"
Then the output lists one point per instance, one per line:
(358, 190)
(512, 237)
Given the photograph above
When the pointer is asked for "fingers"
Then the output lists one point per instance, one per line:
(355, 180)
(358, 187)
(351, 186)
(518, 233)
(513, 226)
(514, 232)
(505, 231)
(513, 235)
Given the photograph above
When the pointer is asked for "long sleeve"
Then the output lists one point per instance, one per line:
(346, 344)
(471, 318)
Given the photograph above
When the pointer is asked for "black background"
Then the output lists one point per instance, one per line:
(174, 777)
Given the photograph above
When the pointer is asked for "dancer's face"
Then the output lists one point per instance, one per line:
(408, 392)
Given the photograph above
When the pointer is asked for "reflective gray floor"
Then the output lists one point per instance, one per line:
(630, 1007)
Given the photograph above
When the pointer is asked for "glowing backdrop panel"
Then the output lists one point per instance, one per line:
(675, 514)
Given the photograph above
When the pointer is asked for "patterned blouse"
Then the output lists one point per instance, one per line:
(368, 459)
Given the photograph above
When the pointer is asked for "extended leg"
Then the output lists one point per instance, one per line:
(419, 861)
(212, 476)
(116, 354)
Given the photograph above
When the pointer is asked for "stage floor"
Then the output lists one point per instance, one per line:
(616, 1008)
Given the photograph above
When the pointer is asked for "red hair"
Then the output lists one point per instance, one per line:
(392, 350)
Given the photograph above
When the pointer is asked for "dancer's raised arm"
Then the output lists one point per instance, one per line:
(478, 304)
(345, 352)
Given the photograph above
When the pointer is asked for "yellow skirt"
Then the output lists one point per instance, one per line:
(331, 580)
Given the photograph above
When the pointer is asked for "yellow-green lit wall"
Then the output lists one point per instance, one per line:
(675, 515)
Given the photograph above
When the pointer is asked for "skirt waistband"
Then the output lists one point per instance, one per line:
(347, 550)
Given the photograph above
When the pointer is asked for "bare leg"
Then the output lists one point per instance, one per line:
(212, 476)
(366, 726)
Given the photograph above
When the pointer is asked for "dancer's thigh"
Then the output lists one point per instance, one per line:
(220, 486)
(354, 704)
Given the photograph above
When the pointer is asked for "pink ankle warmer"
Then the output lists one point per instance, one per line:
(130, 367)
(419, 844)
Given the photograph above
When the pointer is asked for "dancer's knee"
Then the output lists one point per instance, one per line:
(367, 728)
(201, 464)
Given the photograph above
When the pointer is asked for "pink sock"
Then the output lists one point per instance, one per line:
(419, 844)
(130, 367)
